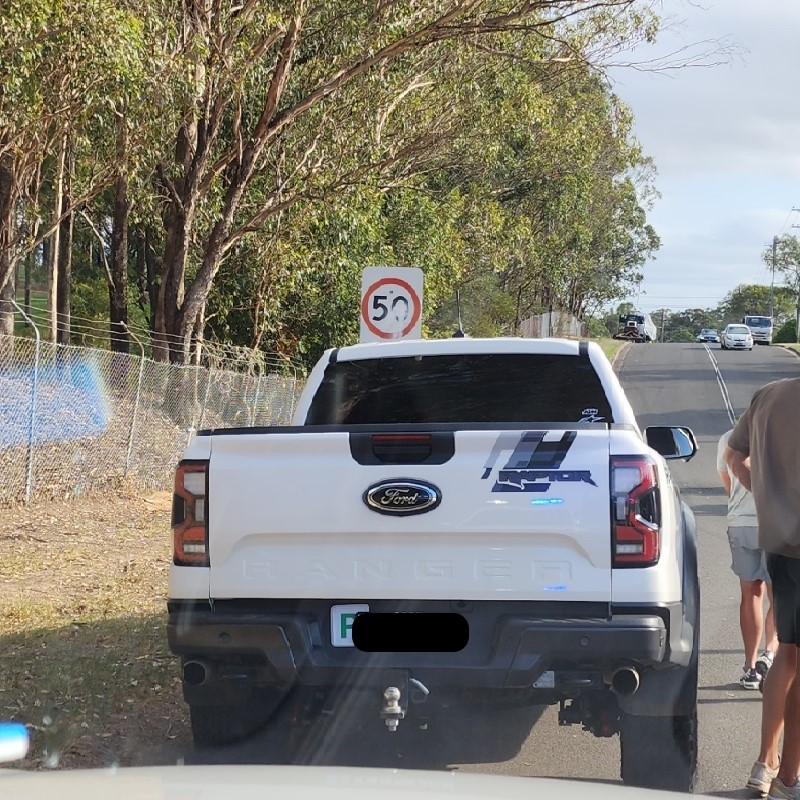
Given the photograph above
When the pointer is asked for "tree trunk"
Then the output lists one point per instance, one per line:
(64, 276)
(118, 286)
(55, 249)
(152, 273)
(7, 239)
(29, 261)
(139, 268)
(199, 327)
(6, 294)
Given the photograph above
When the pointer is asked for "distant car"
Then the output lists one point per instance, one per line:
(708, 335)
(737, 337)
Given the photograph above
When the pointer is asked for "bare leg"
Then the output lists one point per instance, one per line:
(751, 619)
(770, 634)
(790, 762)
(776, 687)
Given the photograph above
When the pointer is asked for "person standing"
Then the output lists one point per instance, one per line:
(749, 564)
(764, 454)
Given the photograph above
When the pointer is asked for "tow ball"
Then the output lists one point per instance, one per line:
(392, 713)
(402, 690)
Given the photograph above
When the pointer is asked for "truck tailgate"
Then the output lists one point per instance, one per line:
(522, 515)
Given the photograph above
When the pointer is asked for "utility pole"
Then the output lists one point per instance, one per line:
(772, 285)
(663, 314)
(797, 306)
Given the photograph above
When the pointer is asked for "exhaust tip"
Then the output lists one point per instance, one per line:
(194, 673)
(625, 681)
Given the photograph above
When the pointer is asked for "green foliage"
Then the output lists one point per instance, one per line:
(681, 335)
(476, 151)
(787, 333)
(787, 261)
(754, 299)
(598, 328)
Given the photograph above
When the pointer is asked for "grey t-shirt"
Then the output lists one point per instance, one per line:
(741, 506)
(769, 432)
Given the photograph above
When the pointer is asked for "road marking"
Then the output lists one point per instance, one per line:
(726, 398)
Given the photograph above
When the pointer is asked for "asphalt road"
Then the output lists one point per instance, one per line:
(666, 384)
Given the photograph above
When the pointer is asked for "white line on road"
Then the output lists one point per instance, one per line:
(722, 387)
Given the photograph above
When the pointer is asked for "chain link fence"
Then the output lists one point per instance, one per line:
(75, 420)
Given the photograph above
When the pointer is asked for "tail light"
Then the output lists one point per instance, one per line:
(189, 514)
(635, 512)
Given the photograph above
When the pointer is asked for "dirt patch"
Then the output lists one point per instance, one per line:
(85, 662)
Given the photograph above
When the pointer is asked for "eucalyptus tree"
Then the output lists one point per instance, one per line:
(295, 102)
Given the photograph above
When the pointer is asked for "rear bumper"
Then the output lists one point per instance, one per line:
(511, 645)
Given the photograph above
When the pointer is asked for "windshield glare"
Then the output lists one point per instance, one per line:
(499, 560)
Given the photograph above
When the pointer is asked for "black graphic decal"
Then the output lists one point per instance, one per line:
(534, 462)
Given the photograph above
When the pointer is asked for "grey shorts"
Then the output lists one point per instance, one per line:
(748, 560)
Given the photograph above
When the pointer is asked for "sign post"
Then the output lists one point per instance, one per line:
(391, 303)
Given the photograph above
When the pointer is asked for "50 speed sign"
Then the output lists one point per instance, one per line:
(391, 303)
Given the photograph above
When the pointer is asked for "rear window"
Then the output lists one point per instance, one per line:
(460, 389)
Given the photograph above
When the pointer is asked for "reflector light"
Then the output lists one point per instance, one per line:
(189, 534)
(635, 512)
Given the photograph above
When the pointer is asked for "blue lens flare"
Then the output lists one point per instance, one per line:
(70, 404)
(14, 741)
(547, 501)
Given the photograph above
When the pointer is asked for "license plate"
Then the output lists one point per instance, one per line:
(342, 618)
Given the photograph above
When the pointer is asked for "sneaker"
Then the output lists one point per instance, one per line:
(778, 790)
(761, 776)
(750, 680)
(764, 662)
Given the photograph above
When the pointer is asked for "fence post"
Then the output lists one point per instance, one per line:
(135, 401)
(32, 420)
(205, 399)
(294, 395)
(255, 399)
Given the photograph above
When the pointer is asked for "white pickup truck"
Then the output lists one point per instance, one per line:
(446, 521)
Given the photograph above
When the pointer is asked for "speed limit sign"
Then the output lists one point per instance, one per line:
(391, 303)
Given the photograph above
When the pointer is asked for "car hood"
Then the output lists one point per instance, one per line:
(299, 783)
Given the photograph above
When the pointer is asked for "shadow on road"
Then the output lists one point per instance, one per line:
(607, 781)
(356, 736)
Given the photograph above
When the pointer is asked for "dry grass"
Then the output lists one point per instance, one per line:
(85, 662)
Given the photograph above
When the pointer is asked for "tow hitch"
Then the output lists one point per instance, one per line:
(597, 713)
(392, 713)
(396, 698)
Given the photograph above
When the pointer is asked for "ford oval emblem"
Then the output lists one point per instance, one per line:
(402, 497)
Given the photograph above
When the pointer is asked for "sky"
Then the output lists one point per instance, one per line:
(726, 143)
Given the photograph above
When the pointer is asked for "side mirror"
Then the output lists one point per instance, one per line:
(672, 442)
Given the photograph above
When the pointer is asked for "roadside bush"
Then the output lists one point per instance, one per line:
(786, 333)
(681, 335)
